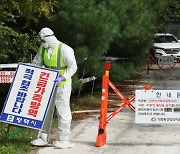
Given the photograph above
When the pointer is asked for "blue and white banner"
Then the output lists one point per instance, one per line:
(29, 96)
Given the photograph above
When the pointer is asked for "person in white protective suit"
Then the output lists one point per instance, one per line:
(57, 55)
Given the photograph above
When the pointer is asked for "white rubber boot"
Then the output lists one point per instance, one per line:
(62, 145)
(41, 141)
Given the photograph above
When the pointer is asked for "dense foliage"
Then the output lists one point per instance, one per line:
(94, 29)
(18, 39)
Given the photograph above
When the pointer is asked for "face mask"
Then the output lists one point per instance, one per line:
(45, 45)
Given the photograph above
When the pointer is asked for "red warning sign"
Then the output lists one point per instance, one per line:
(6, 76)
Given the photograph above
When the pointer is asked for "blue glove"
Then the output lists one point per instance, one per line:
(59, 79)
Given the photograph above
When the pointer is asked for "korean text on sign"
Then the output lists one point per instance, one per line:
(157, 106)
(29, 96)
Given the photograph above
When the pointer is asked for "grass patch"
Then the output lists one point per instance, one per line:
(86, 102)
(16, 140)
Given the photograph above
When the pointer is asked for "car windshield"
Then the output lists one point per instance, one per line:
(165, 39)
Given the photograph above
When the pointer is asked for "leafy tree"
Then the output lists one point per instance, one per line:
(18, 39)
(165, 12)
(136, 28)
(106, 27)
(15, 16)
(87, 27)
(94, 28)
(173, 12)
(29, 9)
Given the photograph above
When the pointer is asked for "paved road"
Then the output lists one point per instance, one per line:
(124, 136)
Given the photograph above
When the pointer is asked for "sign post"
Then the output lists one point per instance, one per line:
(29, 96)
(166, 60)
(6, 76)
(157, 106)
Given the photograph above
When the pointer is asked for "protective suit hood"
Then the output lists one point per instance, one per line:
(48, 37)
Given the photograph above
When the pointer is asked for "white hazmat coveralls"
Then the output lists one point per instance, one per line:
(62, 101)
